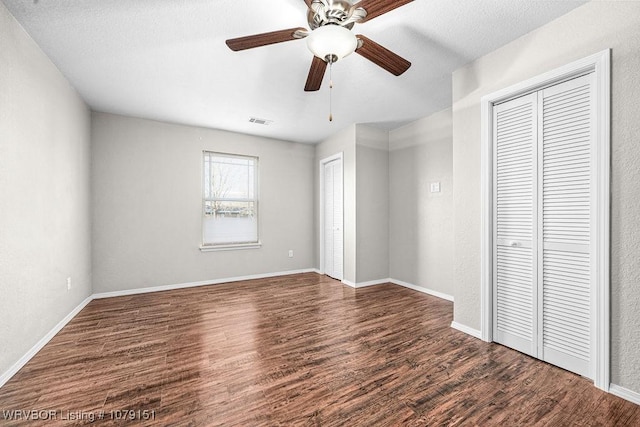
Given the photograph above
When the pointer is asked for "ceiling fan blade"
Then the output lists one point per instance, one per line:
(382, 56)
(308, 2)
(316, 74)
(376, 8)
(264, 39)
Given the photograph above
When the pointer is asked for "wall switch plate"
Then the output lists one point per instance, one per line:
(435, 187)
(290, 253)
(68, 283)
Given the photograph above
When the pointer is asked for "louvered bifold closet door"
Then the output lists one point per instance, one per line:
(515, 224)
(565, 208)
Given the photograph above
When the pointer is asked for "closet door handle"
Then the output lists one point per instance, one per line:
(514, 244)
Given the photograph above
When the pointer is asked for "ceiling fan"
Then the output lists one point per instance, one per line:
(330, 38)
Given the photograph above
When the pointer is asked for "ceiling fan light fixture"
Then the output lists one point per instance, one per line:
(332, 42)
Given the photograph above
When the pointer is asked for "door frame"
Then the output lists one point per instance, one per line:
(321, 234)
(600, 64)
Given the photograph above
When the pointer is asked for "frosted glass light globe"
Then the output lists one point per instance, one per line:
(331, 40)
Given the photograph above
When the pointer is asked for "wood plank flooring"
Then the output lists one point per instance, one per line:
(295, 350)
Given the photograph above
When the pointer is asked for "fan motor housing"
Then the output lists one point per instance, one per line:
(336, 12)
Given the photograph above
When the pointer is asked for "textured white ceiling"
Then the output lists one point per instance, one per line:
(167, 60)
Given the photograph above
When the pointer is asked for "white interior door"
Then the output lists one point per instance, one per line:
(544, 196)
(333, 219)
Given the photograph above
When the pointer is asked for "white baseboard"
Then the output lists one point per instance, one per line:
(348, 283)
(467, 330)
(399, 283)
(127, 292)
(365, 284)
(625, 393)
(6, 376)
(421, 289)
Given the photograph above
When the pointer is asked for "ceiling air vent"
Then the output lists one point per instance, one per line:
(260, 121)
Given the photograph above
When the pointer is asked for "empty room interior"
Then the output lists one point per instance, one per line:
(320, 212)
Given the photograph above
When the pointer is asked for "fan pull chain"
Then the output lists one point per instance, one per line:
(330, 90)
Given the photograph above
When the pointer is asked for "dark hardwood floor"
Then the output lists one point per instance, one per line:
(295, 350)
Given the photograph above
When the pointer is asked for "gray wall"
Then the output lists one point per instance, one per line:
(343, 142)
(44, 187)
(366, 193)
(393, 226)
(582, 32)
(372, 204)
(147, 190)
(421, 222)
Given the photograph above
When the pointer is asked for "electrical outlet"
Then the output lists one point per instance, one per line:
(290, 253)
(435, 187)
(68, 283)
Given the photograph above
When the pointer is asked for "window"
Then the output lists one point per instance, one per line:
(230, 201)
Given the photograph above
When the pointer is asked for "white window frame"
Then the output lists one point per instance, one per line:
(600, 64)
(210, 247)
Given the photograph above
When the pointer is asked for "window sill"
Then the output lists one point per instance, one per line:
(231, 247)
